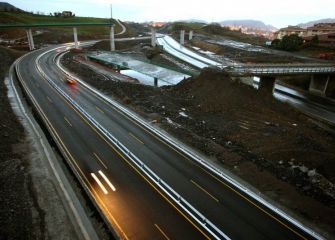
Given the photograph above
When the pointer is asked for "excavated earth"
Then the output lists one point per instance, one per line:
(264, 142)
(15, 195)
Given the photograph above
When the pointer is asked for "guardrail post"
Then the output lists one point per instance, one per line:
(75, 36)
(112, 38)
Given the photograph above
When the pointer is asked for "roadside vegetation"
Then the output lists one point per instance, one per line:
(210, 30)
(57, 34)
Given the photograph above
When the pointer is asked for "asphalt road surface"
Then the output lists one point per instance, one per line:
(130, 201)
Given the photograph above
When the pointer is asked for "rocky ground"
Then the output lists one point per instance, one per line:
(266, 143)
(15, 195)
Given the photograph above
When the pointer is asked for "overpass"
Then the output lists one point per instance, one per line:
(74, 25)
(321, 74)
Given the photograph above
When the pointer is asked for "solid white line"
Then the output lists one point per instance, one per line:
(107, 181)
(99, 183)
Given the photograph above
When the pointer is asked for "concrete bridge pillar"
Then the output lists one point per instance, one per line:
(112, 38)
(153, 37)
(318, 84)
(30, 40)
(267, 84)
(190, 35)
(182, 37)
(75, 36)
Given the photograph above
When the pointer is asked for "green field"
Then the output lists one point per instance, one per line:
(84, 32)
(28, 18)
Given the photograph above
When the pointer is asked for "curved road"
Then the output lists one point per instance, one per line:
(138, 209)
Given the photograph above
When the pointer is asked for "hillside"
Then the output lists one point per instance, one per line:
(216, 29)
(309, 24)
(177, 26)
(59, 34)
(4, 6)
(24, 17)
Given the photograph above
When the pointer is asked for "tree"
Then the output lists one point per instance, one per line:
(315, 40)
(276, 43)
(291, 42)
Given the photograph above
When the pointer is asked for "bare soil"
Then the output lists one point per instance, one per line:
(15, 195)
(31, 206)
(245, 56)
(266, 143)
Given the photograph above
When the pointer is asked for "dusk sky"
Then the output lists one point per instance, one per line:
(277, 13)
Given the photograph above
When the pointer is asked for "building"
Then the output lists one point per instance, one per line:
(157, 24)
(323, 39)
(67, 14)
(324, 31)
(301, 32)
(320, 29)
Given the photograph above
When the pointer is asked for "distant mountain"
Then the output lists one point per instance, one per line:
(309, 24)
(6, 7)
(251, 24)
(193, 21)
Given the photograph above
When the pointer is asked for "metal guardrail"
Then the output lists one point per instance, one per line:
(177, 198)
(279, 70)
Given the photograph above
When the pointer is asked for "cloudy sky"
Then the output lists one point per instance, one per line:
(277, 13)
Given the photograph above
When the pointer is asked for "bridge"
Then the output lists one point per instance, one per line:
(74, 25)
(322, 76)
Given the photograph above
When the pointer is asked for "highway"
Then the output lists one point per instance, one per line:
(139, 208)
(174, 48)
(239, 69)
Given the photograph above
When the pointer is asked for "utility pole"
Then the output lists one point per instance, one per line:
(112, 38)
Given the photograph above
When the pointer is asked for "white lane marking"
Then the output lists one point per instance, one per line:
(107, 181)
(99, 183)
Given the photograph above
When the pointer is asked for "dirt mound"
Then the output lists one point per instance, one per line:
(215, 91)
(258, 127)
